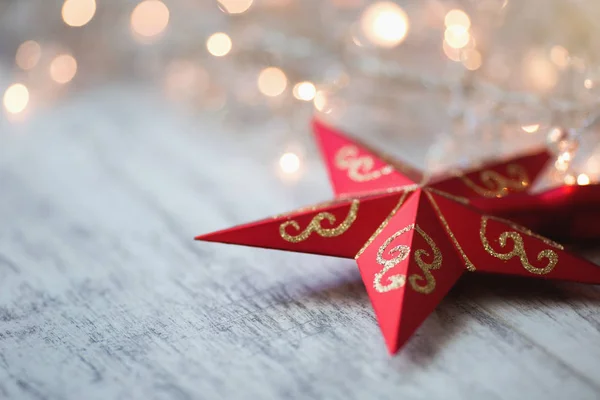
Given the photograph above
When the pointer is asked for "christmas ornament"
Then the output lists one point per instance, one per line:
(413, 237)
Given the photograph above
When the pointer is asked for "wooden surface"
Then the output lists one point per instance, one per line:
(104, 295)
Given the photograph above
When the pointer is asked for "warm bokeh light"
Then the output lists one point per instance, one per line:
(539, 72)
(149, 18)
(457, 36)
(588, 83)
(564, 157)
(272, 81)
(450, 52)
(583, 179)
(235, 6)
(16, 98)
(457, 17)
(384, 24)
(63, 68)
(531, 128)
(289, 163)
(559, 56)
(218, 44)
(320, 101)
(304, 91)
(570, 179)
(28, 54)
(561, 165)
(471, 59)
(78, 12)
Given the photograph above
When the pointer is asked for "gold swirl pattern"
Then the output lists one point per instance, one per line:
(360, 169)
(401, 252)
(436, 263)
(315, 225)
(497, 185)
(519, 247)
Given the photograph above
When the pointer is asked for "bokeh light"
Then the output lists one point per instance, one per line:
(570, 179)
(78, 12)
(320, 101)
(28, 54)
(149, 18)
(450, 52)
(583, 179)
(471, 59)
(457, 36)
(384, 24)
(289, 163)
(272, 81)
(531, 128)
(63, 68)
(219, 44)
(457, 17)
(235, 6)
(304, 91)
(16, 98)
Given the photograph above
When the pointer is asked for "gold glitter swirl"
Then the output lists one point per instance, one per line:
(360, 169)
(315, 225)
(384, 223)
(401, 253)
(436, 263)
(519, 247)
(436, 208)
(497, 185)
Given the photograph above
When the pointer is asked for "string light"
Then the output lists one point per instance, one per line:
(320, 101)
(16, 98)
(304, 91)
(531, 128)
(384, 24)
(570, 180)
(272, 81)
(457, 36)
(235, 6)
(471, 59)
(289, 163)
(583, 179)
(450, 52)
(149, 18)
(561, 165)
(63, 68)
(78, 12)
(28, 54)
(219, 44)
(457, 17)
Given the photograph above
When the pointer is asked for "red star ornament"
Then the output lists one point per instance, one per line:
(412, 241)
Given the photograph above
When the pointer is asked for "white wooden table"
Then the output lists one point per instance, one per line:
(104, 294)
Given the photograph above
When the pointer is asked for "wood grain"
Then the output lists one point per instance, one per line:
(104, 295)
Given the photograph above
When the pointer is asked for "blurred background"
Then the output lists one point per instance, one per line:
(439, 83)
